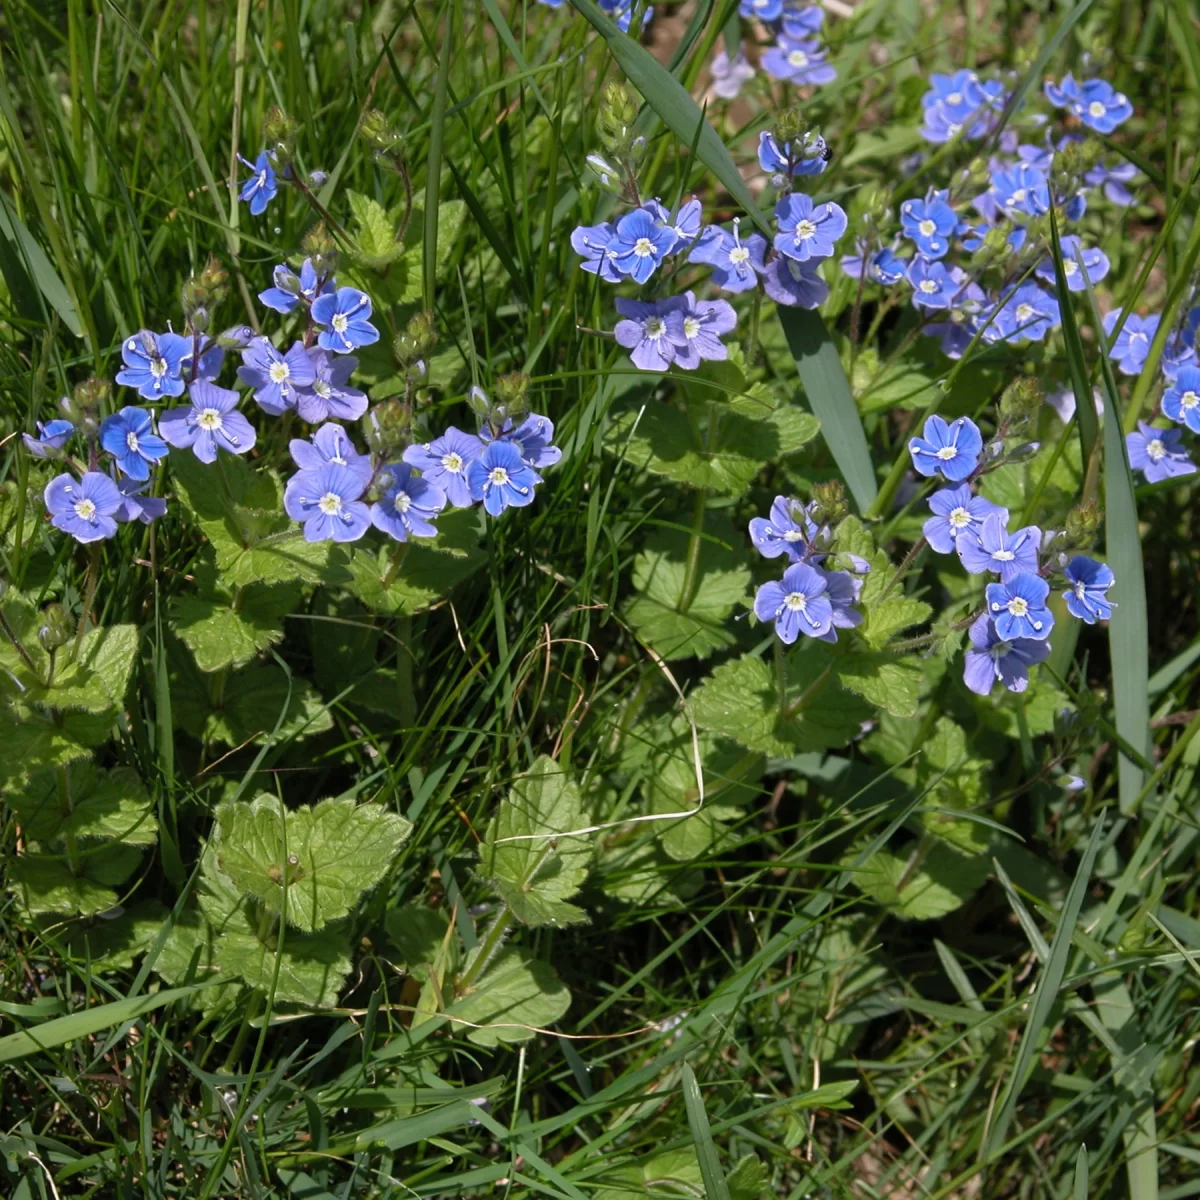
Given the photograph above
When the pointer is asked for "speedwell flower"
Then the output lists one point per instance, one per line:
(290, 290)
(653, 332)
(957, 516)
(1095, 102)
(1157, 453)
(409, 504)
(736, 263)
(328, 395)
(345, 312)
(135, 505)
(444, 461)
(209, 424)
(639, 243)
(1086, 595)
(794, 283)
(703, 323)
(501, 478)
(991, 657)
(993, 548)
(1095, 264)
(154, 363)
(807, 230)
(952, 449)
(796, 604)
(85, 508)
(331, 444)
(51, 438)
(1181, 401)
(929, 223)
(262, 185)
(798, 60)
(129, 437)
(1018, 607)
(274, 375)
(326, 502)
(1133, 342)
(787, 530)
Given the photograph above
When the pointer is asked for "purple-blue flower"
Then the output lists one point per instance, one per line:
(209, 424)
(957, 515)
(1113, 181)
(408, 505)
(592, 243)
(129, 437)
(797, 60)
(135, 505)
(807, 230)
(843, 590)
(154, 363)
(953, 449)
(639, 243)
(1027, 315)
(802, 20)
(501, 478)
(796, 604)
(653, 332)
(328, 395)
(274, 376)
(788, 530)
(685, 223)
(1086, 594)
(346, 314)
(764, 10)
(444, 462)
(793, 283)
(930, 223)
(1133, 342)
(534, 438)
(261, 187)
(290, 290)
(934, 285)
(85, 508)
(808, 157)
(1181, 401)
(991, 657)
(994, 548)
(736, 263)
(1020, 188)
(1157, 453)
(1018, 607)
(703, 323)
(1094, 102)
(729, 75)
(326, 502)
(1095, 264)
(331, 444)
(51, 438)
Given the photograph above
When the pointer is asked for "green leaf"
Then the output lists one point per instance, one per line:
(221, 636)
(32, 741)
(671, 1173)
(886, 681)
(112, 943)
(517, 990)
(43, 884)
(28, 251)
(953, 780)
(939, 883)
(375, 233)
(741, 700)
(748, 1179)
(715, 1185)
(828, 392)
(537, 875)
(310, 969)
(106, 659)
(419, 934)
(82, 802)
(328, 856)
(422, 579)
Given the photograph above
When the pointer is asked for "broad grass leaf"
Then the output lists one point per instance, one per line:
(327, 855)
(517, 990)
(536, 877)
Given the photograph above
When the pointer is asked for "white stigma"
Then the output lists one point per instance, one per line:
(805, 230)
(691, 327)
(210, 419)
(946, 453)
(1096, 109)
(927, 228)
(279, 372)
(1003, 555)
(927, 286)
(158, 367)
(323, 389)
(1081, 589)
(402, 503)
(498, 477)
(1155, 450)
(738, 255)
(85, 509)
(959, 518)
(1024, 312)
(1070, 266)
(131, 441)
(954, 98)
(798, 58)
(330, 504)
(655, 327)
(1189, 400)
(453, 463)
(1018, 606)
(793, 535)
(796, 601)
(643, 248)
(340, 322)
(1000, 649)
(1017, 196)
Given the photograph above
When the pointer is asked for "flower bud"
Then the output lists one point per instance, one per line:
(386, 427)
(1082, 524)
(477, 398)
(1021, 400)
(789, 125)
(418, 339)
(512, 389)
(830, 501)
(236, 337)
(215, 280)
(55, 627)
(279, 131)
(87, 399)
(321, 248)
(993, 249)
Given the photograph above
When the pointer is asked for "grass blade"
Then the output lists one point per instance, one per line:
(829, 395)
(433, 179)
(1080, 1190)
(715, 1187)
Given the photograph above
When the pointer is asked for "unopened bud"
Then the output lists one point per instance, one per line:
(280, 131)
(418, 339)
(215, 279)
(511, 391)
(1021, 399)
(87, 399)
(321, 248)
(1082, 524)
(477, 398)
(789, 125)
(55, 627)
(386, 427)
(236, 337)
(830, 499)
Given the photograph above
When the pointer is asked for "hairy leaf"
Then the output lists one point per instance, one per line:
(517, 990)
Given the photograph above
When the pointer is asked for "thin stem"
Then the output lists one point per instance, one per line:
(691, 570)
(397, 558)
(93, 577)
(487, 950)
(10, 633)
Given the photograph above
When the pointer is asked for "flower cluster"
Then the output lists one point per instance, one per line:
(1010, 634)
(621, 11)
(809, 599)
(796, 56)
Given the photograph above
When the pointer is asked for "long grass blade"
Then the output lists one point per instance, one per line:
(715, 1186)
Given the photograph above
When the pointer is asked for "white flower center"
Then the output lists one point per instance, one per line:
(330, 504)
(85, 509)
(1140, 338)
(453, 463)
(796, 601)
(643, 248)
(655, 327)
(340, 322)
(1096, 109)
(498, 477)
(738, 255)
(402, 502)
(804, 230)
(798, 58)
(959, 518)
(927, 228)
(131, 441)
(279, 372)
(927, 286)
(1000, 649)
(946, 453)
(691, 327)
(954, 98)
(158, 366)
(1024, 312)
(793, 535)
(1081, 589)
(323, 389)
(1017, 196)
(1189, 400)
(209, 418)
(1155, 450)
(1070, 266)
(1018, 606)
(1003, 555)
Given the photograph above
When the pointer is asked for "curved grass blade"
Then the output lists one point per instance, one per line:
(832, 402)
(715, 1187)
(433, 179)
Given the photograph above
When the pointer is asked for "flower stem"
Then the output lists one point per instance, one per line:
(10, 633)
(487, 950)
(397, 558)
(691, 570)
(93, 577)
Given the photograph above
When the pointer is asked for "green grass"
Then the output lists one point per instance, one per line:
(892, 961)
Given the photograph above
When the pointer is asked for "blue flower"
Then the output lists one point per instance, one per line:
(993, 548)
(533, 437)
(930, 223)
(138, 507)
(1086, 594)
(129, 437)
(274, 376)
(802, 20)
(843, 590)
(1021, 188)
(593, 244)
(154, 363)
(501, 478)
(952, 449)
(788, 530)
(764, 10)
(328, 394)
(797, 60)
(729, 75)
(991, 657)
(885, 266)
(736, 264)
(1095, 264)
(685, 223)
(1157, 453)
(86, 509)
(1133, 342)
(957, 95)
(212, 358)
(331, 444)
(261, 187)
(1094, 102)
(639, 244)
(703, 323)
(290, 290)
(797, 284)
(1181, 401)
(1018, 607)
(652, 332)
(934, 285)
(345, 312)
(209, 424)
(408, 504)
(326, 502)
(51, 438)
(1027, 315)
(810, 157)
(621, 11)
(796, 604)
(957, 514)
(444, 462)
(1113, 180)
(807, 230)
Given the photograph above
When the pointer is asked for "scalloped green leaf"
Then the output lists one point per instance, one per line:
(374, 232)
(221, 636)
(43, 884)
(936, 885)
(888, 682)
(516, 991)
(424, 576)
(83, 802)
